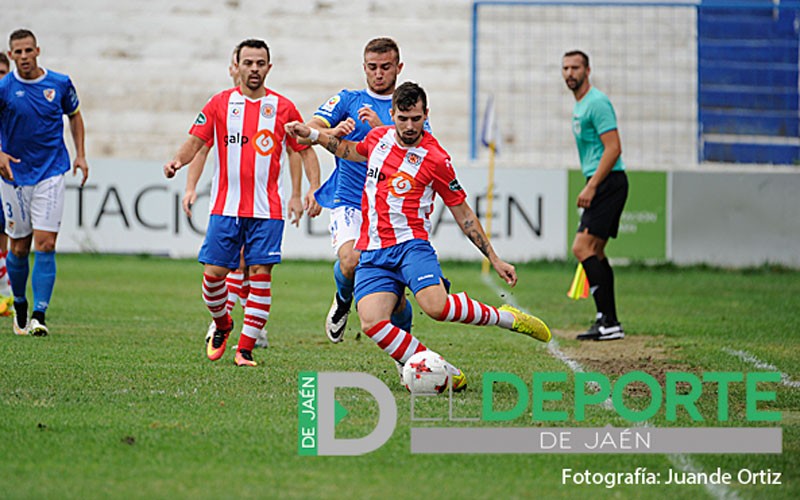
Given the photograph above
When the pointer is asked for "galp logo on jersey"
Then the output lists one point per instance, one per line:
(49, 94)
(400, 184)
(264, 142)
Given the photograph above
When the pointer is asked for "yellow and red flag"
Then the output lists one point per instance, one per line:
(579, 289)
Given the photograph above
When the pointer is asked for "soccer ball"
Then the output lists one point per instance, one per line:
(426, 372)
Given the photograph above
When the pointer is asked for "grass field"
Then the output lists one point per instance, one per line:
(119, 401)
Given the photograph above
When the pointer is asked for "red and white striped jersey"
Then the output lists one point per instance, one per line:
(401, 187)
(251, 159)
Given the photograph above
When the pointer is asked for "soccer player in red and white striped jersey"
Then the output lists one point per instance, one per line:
(248, 203)
(238, 281)
(406, 169)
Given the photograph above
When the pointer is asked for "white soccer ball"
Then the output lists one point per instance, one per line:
(426, 372)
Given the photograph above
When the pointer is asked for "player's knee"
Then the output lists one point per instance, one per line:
(20, 253)
(46, 246)
(348, 262)
(368, 324)
(434, 307)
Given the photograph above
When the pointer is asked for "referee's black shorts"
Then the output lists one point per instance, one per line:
(602, 216)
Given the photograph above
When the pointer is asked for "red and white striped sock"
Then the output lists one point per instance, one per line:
(234, 284)
(244, 292)
(5, 284)
(215, 295)
(462, 309)
(397, 343)
(245, 343)
(256, 310)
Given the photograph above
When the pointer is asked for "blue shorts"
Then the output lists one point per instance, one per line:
(411, 264)
(225, 236)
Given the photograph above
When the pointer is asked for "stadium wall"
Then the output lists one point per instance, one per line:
(144, 68)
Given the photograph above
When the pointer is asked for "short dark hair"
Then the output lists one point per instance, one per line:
(20, 34)
(4, 59)
(382, 45)
(253, 43)
(407, 95)
(579, 53)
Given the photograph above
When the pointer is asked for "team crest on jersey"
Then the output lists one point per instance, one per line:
(332, 102)
(267, 110)
(264, 142)
(576, 125)
(201, 119)
(400, 184)
(413, 158)
(49, 94)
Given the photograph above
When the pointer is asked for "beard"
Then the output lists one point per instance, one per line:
(254, 83)
(408, 140)
(574, 83)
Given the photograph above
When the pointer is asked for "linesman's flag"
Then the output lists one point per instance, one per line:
(579, 289)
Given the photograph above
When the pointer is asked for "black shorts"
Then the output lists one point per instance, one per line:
(602, 216)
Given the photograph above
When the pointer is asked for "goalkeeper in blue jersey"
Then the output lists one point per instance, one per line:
(351, 114)
(33, 163)
(594, 125)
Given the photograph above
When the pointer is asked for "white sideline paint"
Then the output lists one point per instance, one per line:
(749, 358)
(683, 462)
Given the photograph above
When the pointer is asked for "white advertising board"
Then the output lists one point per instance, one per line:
(129, 207)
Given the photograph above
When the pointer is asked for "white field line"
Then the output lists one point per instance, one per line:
(749, 358)
(681, 461)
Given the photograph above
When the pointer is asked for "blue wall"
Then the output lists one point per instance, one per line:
(748, 81)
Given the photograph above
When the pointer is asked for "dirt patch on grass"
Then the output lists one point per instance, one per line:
(652, 355)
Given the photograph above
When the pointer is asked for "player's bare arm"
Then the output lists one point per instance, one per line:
(295, 204)
(193, 175)
(340, 147)
(471, 226)
(78, 132)
(185, 154)
(311, 168)
(341, 129)
(611, 153)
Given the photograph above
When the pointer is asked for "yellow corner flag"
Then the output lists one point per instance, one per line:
(579, 289)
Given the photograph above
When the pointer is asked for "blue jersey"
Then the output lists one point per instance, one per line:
(346, 183)
(32, 127)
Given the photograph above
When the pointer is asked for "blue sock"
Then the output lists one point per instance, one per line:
(344, 285)
(43, 279)
(18, 269)
(403, 319)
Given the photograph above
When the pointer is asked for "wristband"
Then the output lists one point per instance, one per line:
(313, 135)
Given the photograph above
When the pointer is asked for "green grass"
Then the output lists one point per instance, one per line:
(120, 401)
